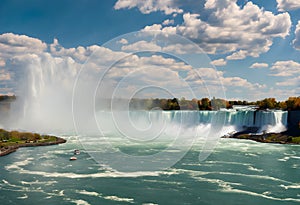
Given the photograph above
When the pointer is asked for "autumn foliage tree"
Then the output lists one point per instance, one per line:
(293, 103)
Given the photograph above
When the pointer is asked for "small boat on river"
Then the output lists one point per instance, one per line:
(73, 158)
(76, 151)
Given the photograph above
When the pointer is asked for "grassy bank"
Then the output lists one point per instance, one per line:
(10, 141)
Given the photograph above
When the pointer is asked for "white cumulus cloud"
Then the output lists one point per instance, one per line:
(229, 28)
(296, 41)
(291, 82)
(211, 77)
(148, 6)
(59, 66)
(285, 68)
(168, 22)
(11, 44)
(259, 65)
(219, 62)
(286, 5)
(141, 46)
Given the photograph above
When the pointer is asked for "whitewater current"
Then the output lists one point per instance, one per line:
(237, 172)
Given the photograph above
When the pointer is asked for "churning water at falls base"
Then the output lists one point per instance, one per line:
(231, 173)
(237, 172)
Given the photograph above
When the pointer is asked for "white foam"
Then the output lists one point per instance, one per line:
(251, 154)
(25, 196)
(290, 154)
(18, 188)
(5, 182)
(267, 193)
(116, 198)
(149, 204)
(80, 202)
(219, 182)
(227, 162)
(254, 169)
(89, 193)
(18, 164)
(61, 193)
(39, 182)
(195, 173)
(249, 146)
(284, 159)
(112, 198)
(295, 186)
(8, 184)
(263, 195)
(163, 182)
(227, 186)
(111, 173)
(254, 176)
(190, 172)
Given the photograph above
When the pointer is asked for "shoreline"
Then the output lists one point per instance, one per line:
(12, 145)
(290, 136)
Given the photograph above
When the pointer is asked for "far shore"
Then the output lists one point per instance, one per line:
(11, 141)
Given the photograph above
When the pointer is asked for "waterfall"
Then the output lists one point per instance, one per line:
(272, 121)
(44, 96)
(146, 123)
(236, 118)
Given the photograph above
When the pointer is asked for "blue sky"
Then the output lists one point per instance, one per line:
(74, 23)
(254, 45)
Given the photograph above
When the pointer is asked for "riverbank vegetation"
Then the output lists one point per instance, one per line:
(292, 103)
(10, 141)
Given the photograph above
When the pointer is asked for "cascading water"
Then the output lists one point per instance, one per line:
(44, 97)
(272, 121)
(231, 120)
